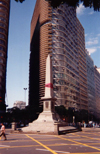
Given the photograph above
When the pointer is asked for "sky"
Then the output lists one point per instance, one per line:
(19, 46)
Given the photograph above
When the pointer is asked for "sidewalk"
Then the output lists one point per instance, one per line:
(91, 129)
(62, 130)
(66, 129)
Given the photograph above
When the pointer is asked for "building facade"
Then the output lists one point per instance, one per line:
(65, 57)
(59, 32)
(20, 104)
(4, 26)
(40, 46)
(90, 84)
(82, 66)
(97, 91)
(69, 59)
(98, 69)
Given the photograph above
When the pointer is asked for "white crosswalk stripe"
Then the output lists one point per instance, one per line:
(53, 150)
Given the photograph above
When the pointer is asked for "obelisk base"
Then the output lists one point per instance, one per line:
(47, 123)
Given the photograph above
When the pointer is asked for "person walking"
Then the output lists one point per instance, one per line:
(3, 131)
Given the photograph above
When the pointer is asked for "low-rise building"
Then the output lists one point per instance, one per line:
(20, 104)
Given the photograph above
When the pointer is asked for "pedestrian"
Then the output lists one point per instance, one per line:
(3, 131)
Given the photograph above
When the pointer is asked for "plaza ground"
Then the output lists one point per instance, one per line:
(86, 141)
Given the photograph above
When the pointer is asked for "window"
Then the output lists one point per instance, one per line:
(2, 30)
(3, 19)
(2, 25)
(2, 48)
(2, 42)
(1, 54)
(0, 73)
(3, 14)
(3, 3)
(1, 61)
(2, 36)
(3, 8)
(1, 67)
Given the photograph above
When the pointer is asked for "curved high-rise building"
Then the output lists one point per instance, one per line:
(65, 57)
(40, 46)
(4, 25)
(69, 60)
(59, 32)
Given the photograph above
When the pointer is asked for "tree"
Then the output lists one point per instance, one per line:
(19, 1)
(87, 3)
(61, 110)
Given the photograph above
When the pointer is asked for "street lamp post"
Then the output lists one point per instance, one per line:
(25, 93)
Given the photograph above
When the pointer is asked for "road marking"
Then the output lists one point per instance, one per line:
(79, 143)
(94, 143)
(23, 146)
(87, 153)
(52, 151)
(27, 146)
(4, 146)
(48, 139)
(88, 137)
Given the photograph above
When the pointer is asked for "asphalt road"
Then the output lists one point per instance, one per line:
(85, 142)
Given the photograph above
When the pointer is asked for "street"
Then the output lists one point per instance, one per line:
(84, 142)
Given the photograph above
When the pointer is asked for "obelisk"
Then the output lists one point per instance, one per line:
(48, 99)
(48, 120)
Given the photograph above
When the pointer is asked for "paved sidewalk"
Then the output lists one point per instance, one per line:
(64, 129)
(91, 129)
(67, 128)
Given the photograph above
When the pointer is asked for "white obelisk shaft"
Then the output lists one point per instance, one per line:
(48, 80)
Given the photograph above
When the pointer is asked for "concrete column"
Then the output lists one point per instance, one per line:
(56, 129)
(14, 125)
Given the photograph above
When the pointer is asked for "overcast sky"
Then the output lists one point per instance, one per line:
(19, 45)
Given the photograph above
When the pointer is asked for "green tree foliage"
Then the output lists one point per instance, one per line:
(19, 1)
(87, 3)
(61, 110)
(29, 114)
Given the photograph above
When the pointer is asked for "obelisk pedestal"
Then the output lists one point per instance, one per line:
(48, 120)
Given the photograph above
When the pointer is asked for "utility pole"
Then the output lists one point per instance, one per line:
(25, 93)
